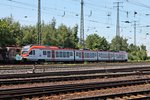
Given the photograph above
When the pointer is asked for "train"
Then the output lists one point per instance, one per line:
(41, 53)
(8, 54)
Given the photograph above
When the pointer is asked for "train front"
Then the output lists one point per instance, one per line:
(24, 52)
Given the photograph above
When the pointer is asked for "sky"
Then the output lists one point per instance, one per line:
(99, 16)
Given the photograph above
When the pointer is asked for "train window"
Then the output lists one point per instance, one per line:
(99, 54)
(64, 54)
(105, 55)
(44, 52)
(71, 54)
(48, 54)
(80, 55)
(24, 52)
(112, 55)
(33, 52)
(88, 55)
(30, 53)
(95, 54)
(85, 55)
(92, 55)
(68, 54)
(123, 56)
(77, 54)
(57, 55)
(60, 54)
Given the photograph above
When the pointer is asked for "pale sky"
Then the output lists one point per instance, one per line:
(95, 14)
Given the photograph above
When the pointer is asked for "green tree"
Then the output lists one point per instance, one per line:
(10, 32)
(94, 42)
(62, 36)
(74, 37)
(67, 37)
(49, 33)
(119, 44)
(29, 35)
(137, 53)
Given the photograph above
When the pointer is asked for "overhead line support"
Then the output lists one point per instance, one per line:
(39, 22)
(82, 26)
(118, 18)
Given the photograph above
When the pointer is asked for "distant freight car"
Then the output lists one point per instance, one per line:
(8, 54)
(55, 54)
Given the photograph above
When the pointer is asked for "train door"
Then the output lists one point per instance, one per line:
(83, 58)
(44, 55)
(48, 55)
(53, 55)
(32, 55)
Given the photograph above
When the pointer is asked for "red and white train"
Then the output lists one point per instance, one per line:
(56, 54)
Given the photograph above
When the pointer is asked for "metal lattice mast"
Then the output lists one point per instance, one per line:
(118, 21)
(134, 32)
(39, 22)
(82, 25)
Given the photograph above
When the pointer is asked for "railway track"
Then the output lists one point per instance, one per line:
(7, 66)
(56, 89)
(68, 78)
(76, 72)
(138, 95)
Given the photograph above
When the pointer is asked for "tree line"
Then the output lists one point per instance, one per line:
(13, 34)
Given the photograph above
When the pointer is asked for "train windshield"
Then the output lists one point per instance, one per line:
(25, 49)
(24, 52)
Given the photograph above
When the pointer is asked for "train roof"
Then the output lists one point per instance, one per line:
(61, 48)
(50, 47)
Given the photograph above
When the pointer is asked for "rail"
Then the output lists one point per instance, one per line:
(36, 91)
(67, 78)
(65, 73)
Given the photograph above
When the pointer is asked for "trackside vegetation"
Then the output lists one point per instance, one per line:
(12, 33)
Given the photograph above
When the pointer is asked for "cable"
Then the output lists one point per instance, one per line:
(17, 6)
(22, 3)
(138, 4)
(44, 8)
(95, 5)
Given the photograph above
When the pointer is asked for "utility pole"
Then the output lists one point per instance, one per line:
(134, 27)
(82, 25)
(135, 32)
(118, 19)
(39, 22)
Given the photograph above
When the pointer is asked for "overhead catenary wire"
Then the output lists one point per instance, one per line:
(55, 11)
(43, 7)
(25, 8)
(138, 4)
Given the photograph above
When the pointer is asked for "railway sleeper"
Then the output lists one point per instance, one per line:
(63, 88)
